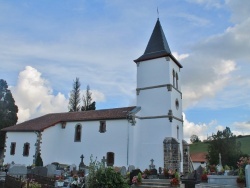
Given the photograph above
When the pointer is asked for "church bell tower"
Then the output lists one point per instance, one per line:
(158, 133)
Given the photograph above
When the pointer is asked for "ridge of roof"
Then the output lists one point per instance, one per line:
(48, 120)
(157, 46)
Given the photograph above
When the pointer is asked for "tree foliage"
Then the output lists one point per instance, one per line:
(87, 101)
(75, 99)
(39, 160)
(8, 109)
(194, 139)
(225, 143)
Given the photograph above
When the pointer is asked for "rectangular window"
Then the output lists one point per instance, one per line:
(26, 149)
(102, 128)
(12, 148)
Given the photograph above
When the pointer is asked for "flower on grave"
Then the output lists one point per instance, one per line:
(171, 172)
(146, 172)
(61, 179)
(135, 180)
(204, 177)
(174, 181)
(243, 161)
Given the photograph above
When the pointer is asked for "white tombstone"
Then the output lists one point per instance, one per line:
(131, 167)
(17, 169)
(72, 167)
(123, 171)
(51, 170)
(247, 175)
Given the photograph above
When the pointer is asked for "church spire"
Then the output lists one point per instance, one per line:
(157, 46)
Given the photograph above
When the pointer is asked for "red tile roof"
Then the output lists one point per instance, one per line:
(198, 157)
(46, 121)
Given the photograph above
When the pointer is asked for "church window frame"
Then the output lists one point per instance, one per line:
(110, 158)
(78, 133)
(12, 148)
(26, 149)
(173, 78)
(177, 78)
(177, 104)
(102, 127)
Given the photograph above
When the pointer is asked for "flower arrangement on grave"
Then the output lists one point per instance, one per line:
(243, 161)
(176, 180)
(60, 178)
(212, 169)
(145, 174)
(204, 177)
(32, 184)
(137, 179)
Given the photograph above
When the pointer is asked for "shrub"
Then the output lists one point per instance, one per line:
(99, 176)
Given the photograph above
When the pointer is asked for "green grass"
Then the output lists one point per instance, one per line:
(202, 146)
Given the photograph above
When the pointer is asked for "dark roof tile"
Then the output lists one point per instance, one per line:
(43, 122)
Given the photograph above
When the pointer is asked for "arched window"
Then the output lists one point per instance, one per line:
(12, 148)
(173, 78)
(176, 81)
(78, 133)
(26, 149)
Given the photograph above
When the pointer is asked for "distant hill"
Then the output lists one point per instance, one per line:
(202, 146)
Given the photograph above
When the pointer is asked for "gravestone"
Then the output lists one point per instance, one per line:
(17, 169)
(51, 170)
(58, 173)
(131, 168)
(104, 161)
(153, 174)
(81, 165)
(40, 171)
(123, 171)
(247, 175)
(72, 167)
(152, 166)
(193, 178)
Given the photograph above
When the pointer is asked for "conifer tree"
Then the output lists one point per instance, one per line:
(8, 109)
(87, 101)
(75, 100)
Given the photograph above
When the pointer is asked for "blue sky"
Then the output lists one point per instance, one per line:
(45, 45)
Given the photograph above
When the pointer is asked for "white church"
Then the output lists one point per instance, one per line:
(153, 129)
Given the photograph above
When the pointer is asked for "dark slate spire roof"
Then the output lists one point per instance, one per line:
(157, 46)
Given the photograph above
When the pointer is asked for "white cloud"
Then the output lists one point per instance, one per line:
(190, 128)
(241, 128)
(208, 3)
(180, 57)
(34, 97)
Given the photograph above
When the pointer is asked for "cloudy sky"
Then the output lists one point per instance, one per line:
(45, 45)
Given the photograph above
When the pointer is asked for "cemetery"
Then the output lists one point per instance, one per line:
(105, 174)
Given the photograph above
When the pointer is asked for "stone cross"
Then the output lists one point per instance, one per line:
(152, 166)
(104, 161)
(82, 158)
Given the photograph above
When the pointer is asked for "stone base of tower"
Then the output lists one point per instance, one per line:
(174, 158)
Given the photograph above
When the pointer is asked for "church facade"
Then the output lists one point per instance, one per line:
(153, 129)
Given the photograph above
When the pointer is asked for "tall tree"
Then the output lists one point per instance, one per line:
(87, 101)
(8, 109)
(225, 143)
(75, 99)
